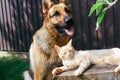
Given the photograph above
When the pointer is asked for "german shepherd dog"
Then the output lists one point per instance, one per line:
(57, 29)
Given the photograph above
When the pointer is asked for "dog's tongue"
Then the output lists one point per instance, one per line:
(69, 32)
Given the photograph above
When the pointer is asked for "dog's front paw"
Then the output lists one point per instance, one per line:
(77, 73)
(56, 71)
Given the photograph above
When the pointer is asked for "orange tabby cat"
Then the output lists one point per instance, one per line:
(72, 59)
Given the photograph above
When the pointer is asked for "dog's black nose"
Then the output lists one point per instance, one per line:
(68, 20)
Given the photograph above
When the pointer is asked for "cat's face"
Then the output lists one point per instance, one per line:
(65, 52)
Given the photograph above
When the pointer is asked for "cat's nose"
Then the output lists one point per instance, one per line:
(70, 55)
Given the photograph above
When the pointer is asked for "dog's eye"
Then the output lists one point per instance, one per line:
(67, 10)
(56, 13)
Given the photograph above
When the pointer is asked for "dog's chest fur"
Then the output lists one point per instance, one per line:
(45, 41)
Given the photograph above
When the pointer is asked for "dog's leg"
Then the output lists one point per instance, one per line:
(40, 64)
(42, 74)
(37, 74)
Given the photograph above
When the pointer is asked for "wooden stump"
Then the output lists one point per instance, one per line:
(95, 72)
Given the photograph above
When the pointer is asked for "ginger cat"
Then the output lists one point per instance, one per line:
(81, 60)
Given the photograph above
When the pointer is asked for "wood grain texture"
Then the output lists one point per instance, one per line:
(97, 72)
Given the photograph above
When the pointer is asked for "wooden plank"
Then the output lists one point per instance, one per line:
(13, 22)
(18, 20)
(110, 40)
(101, 41)
(34, 14)
(6, 25)
(84, 23)
(97, 72)
(9, 34)
(25, 24)
(3, 25)
(1, 40)
(92, 26)
(12, 27)
(118, 21)
(39, 12)
(21, 26)
(28, 21)
(18, 24)
(77, 38)
(117, 24)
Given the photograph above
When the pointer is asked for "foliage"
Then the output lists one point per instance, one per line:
(100, 10)
(11, 68)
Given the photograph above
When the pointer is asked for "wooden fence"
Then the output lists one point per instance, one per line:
(19, 19)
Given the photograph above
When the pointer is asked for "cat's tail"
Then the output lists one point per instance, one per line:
(27, 76)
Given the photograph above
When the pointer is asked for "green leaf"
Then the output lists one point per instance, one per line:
(100, 1)
(94, 7)
(110, 1)
(99, 9)
(100, 18)
(118, 0)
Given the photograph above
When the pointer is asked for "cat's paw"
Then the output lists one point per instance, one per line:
(117, 69)
(56, 71)
(77, 73)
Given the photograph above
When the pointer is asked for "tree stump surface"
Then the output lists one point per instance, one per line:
(95, 72)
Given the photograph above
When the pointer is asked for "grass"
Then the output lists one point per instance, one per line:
(11, 68)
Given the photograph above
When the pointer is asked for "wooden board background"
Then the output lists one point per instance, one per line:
(19, 19)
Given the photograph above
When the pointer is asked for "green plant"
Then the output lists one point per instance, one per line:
(11, 68)
(100, 11)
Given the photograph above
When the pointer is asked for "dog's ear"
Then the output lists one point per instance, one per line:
(46, 4)
(67, 2)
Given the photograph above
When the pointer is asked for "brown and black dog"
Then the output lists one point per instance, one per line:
(57, 29)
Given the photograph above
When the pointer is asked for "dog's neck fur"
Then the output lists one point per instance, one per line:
(48, 25)
(48, 47)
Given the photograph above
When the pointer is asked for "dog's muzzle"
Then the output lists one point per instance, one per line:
(69, 21)
(67, 28)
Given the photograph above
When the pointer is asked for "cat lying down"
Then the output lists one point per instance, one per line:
(81, 60)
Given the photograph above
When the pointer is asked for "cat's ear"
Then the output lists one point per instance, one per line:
(70, 42)
(57, 48)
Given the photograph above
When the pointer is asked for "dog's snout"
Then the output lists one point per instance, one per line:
(68, 20)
